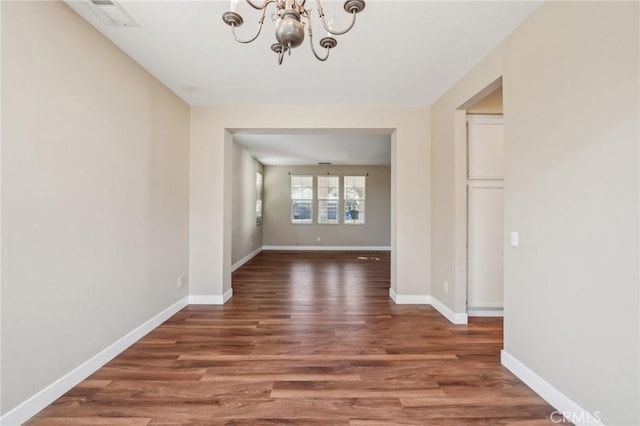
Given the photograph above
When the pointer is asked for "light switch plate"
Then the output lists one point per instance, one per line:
(514, 239)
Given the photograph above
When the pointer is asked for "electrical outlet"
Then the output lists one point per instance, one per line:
(318, 239)
(251, 244)
(180, 282)
(445, 286)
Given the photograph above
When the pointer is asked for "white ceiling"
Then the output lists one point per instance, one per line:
(400, 53)
(291, 148)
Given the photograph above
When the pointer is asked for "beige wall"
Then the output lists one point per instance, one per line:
(491, 104)
(278, 230)
(571, 84)
(211, 144)
(94, 195)
(246, 235)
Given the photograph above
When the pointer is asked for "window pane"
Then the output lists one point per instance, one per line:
(301, 211)
(354, 187)
(327, 193)
(328, 211)
(328, 187)
(307, 193)
(302, 187)
(354, 213)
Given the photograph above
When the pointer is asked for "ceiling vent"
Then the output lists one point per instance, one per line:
(112, 13)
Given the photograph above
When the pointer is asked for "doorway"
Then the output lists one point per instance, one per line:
(485, 218)
(479, 168)
(323, 162)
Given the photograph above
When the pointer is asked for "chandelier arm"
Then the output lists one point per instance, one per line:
(326, 27)
(318, 57)
(313, 49)
(334, 32)
(260, 23)
(257, 7)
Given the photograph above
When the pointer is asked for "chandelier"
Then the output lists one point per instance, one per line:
(288, 18)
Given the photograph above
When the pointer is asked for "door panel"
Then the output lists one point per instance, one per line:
(486, 148)
(485, 232)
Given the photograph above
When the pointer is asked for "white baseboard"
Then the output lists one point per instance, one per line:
(327, 248)
(425, 299)
(393, 295)
(227, 295)
(563, 404)
(409, 299)
(483, 312)
(42, 399)
(455, 318)
(211, 299)
(245, 259)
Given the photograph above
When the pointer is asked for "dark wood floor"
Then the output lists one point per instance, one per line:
(309, 339)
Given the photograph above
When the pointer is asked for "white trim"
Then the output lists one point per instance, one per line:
(409, 299)
(227, 296)
(549, 393)
(454, 317)
(484, 312)
(245, 259)
(425, 299)
(485, 182)
(487, 305)
(393, 295)
(213, 299)
(328, 248)
(486, 119)
(46, 396)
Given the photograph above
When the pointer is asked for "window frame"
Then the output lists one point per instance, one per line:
(259, 203)
(320, 199)
(360, 202)
(303, 200)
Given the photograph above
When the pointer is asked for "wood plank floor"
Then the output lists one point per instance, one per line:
(309, 339)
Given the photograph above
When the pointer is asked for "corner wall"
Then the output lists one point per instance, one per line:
(95, 157)
(571, 106)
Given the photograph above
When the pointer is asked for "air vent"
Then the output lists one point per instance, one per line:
(324, 164)
(102, 2)
(112, 13)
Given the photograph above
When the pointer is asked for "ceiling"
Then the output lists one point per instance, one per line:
(293, 148)
(400, 53)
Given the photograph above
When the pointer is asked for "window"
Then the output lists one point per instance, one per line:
(328, 199)
(258, 198)
(354, 200)
(301, 199)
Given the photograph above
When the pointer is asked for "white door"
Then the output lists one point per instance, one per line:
(485, 212)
